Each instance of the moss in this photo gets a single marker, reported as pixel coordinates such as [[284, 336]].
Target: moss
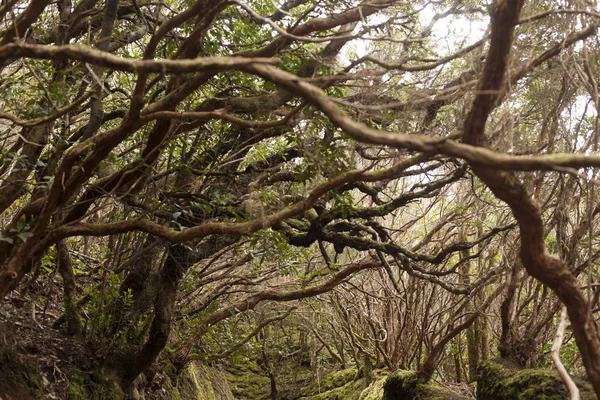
[[18, 379], [194, 383], [501, 380], [349, 391], [248, 381], [172, 391], [346, 385], [374, 391], [77, 390], [333, 382], [35, 384], [199, 382], [435, 392], [401, 385], [97, 386], [105, 386], [406, 385], [338, 379], [220, 384]]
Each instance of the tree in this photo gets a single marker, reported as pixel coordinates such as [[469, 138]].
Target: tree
[[218, 155]]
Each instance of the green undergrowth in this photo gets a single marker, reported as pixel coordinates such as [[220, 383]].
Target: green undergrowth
[[502, 380]]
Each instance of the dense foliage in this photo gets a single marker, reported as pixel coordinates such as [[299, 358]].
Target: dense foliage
[[304, 186]]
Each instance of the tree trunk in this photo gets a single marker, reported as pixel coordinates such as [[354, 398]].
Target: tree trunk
[[506, 186], [73, 325]]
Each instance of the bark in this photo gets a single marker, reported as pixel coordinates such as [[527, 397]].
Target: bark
[[170, 276], [65, 268], [507, 335], [17, 29], [179, 259], [269, 370]]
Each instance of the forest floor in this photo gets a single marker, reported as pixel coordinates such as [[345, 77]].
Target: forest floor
[[36, 359]]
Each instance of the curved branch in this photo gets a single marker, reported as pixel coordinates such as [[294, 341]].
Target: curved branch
[[244, 228], [108, 60], [473, 154]]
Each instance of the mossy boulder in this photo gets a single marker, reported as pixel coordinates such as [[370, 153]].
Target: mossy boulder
[[347, 385], [342, 384], [401, 385], [339, 379], [503, 380], [350, 391], [374, 391], [406, 385], [199, 382], [248, 381], [94, 386]]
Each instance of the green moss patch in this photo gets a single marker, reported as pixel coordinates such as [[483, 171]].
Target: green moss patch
[[199, 382], [248, 381], [350, 391], [374, 391], [347, 385], [96, 386], [338, 379], [406, 385], [501, 380]]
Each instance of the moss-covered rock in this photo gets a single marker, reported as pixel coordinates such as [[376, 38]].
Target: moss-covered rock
[[199, 382], [346, 385], [375, 390], [338, 379], [349, 391], [406, 385], [95, 386], [248, 381], [194, 383], [502, 380], [401, 385]]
